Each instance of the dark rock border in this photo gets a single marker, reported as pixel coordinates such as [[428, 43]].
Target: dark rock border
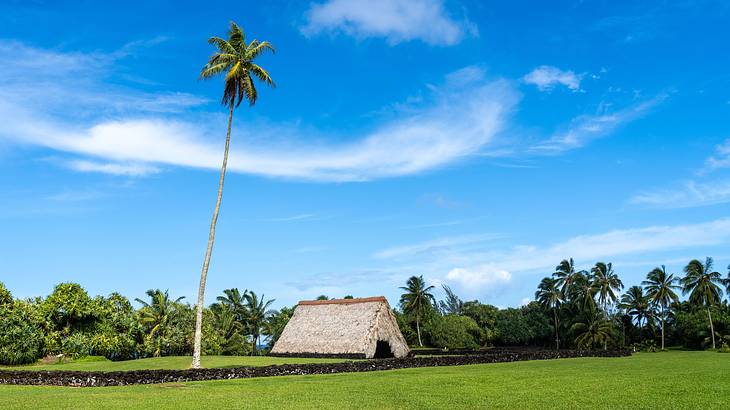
[[98, 379]]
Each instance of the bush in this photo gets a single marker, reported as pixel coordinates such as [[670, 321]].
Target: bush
[[21, 340], [453, 332], [6, 298]]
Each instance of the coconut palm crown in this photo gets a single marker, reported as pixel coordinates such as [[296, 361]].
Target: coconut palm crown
[[235, 58]]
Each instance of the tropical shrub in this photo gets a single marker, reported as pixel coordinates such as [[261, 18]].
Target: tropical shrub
[[21, 339], [454, 331], [6, 298], [513, 328]]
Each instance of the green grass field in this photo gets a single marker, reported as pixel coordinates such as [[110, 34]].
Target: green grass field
[[647, 380], [174, 362]]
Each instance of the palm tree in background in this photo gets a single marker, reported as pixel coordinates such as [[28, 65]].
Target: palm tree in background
[[607, 284], [582, 291], [550, 296], [417, 300], [593, 330], [637, 306], [235, 58], [565, 273], [156, 313], [231, 329], [234, 300], [453, 304], [702, 284], [256, 313], [275, 324], [660, 291]]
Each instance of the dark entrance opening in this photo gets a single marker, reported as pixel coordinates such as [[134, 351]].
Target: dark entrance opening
[[382, 350]]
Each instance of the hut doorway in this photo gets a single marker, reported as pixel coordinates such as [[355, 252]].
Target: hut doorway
[[382, 350]]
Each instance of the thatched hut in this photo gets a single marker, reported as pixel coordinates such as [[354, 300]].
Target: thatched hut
[[353, 328]]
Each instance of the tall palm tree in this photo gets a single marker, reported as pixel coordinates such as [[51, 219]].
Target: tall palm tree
[[565, 273], [256, 313], [636, 305], [607, 284], [157, 313], [660, 291], [550, 296], [417, 300], [235, 58], [702, 284]]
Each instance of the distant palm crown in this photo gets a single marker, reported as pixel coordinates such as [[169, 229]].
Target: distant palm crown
[[236, 58]]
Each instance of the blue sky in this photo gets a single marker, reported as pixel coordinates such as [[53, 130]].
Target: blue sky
[[475, 143]]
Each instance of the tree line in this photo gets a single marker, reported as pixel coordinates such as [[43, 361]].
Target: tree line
[[580, 308], [71, 323], [572, 308]]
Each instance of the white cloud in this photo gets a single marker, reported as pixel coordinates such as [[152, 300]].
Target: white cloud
[[586, 128], [547, 77], [478, 277], [395, 20], [460, 117], [125, 169]]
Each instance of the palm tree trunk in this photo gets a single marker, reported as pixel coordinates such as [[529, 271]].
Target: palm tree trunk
[[605, 310], [209, 251], [712, 328], [557, 335], [663, 315], [418, 330]]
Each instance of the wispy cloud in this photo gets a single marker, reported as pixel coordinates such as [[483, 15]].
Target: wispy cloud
[[475, 267], [720, 159], [687, 195], [586, 128], [395, 20], [459, 118], [292, 218], [698, 192], [547, 77], [433, 246]]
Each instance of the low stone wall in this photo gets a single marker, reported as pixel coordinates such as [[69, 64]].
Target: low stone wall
[[95, 379]]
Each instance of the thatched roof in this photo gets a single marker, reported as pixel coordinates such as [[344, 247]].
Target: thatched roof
[[342, 327]]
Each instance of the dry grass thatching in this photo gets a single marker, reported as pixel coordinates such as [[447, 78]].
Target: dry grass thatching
[[342, 327]]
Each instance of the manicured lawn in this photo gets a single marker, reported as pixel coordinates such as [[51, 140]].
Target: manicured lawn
[[174, 362], [649, 380]]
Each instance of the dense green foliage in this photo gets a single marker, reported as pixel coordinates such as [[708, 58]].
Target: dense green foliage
[[454, 331], [70, 324], [671, 380]]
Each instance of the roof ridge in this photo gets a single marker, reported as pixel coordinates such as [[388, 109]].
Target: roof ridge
[[344, 301]]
